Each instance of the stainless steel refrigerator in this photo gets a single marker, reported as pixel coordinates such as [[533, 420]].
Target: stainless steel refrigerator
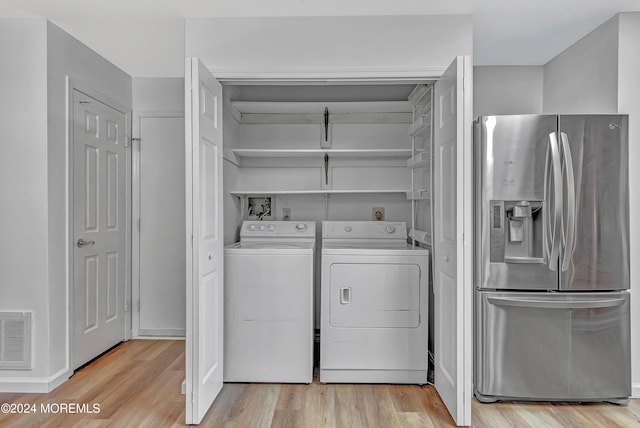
[[552, 258]]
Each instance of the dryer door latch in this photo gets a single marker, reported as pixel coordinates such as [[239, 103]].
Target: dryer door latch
[[345, 295]]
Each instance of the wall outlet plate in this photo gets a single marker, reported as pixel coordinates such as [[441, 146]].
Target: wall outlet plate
[[377, 213]]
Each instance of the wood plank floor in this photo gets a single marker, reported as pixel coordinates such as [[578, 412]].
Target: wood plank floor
[[137, 384]]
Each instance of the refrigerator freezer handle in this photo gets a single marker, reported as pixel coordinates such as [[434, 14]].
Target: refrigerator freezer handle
[[555, 304], [568, 237]]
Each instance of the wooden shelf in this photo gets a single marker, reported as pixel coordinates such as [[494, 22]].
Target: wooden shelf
[[334, 153], [277, 107], [241, 193]]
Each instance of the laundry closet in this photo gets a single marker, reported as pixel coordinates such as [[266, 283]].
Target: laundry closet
[[305, 141]]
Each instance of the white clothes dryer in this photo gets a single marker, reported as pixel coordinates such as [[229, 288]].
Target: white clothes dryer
[[374, 303], [268, 303]]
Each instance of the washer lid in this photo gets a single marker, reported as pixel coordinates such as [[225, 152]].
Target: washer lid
[[271, 245]]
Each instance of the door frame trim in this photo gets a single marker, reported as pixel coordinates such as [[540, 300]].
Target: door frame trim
[[466, 237], [135, 214], [465, 269], [73, 84]]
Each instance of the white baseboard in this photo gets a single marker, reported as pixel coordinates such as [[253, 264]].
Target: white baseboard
[[160, 332], [635, 390], [59, 378], [158, 338], [34, 385]]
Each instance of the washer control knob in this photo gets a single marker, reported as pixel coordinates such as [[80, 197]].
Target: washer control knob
[[262, 227], [301, 226], [390, 228], [252, 227], [271, 227], [348, 229]]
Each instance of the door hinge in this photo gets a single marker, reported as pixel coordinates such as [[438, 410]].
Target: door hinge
[[126, 306]]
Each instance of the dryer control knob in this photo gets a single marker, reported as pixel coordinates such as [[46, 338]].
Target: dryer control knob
[[271, 227], [252, 227], [261, 227], [390, 229], [301, 226], [348, 229]]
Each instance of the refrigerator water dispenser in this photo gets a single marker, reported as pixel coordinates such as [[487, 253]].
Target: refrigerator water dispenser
[[516, 232]]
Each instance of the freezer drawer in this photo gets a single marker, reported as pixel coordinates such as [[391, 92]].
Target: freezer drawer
[[553, 346]]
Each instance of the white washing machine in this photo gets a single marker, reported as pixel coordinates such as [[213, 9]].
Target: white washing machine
[[268, 303], [374, 304]]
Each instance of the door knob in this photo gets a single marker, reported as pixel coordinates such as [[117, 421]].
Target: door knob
[[81, 243]]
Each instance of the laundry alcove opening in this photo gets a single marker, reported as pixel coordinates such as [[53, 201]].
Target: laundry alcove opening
[[329, 151]]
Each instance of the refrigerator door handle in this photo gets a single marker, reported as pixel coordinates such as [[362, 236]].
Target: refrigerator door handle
[[568, 235], [555, 304], [553, 219]]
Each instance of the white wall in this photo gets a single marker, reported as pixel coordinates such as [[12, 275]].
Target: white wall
[[23, 173], [584, 78], [346, 46], [67, 56], [34, 247], [507, 90], [165, 94], [629, 103]]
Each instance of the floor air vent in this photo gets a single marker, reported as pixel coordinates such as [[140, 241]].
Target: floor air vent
[[15, 340]]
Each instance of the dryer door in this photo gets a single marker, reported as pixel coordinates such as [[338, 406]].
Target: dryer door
[[374, 295]]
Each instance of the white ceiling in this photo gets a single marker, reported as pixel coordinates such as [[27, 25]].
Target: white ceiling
[[146, 37]]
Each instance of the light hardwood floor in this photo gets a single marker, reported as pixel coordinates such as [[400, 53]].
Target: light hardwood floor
[[137, 384]]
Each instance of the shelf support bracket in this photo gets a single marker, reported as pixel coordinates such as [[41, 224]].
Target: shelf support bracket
[[326, 124], [325, 141], [326, 169]]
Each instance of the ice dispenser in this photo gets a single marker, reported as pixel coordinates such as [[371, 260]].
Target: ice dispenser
[[516, 232]]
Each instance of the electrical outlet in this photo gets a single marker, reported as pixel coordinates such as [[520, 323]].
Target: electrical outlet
[[286, 214], [377, 213]]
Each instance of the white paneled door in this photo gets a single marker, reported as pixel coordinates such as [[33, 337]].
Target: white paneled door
[[453, 198], [203, 164], [99, 227]]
